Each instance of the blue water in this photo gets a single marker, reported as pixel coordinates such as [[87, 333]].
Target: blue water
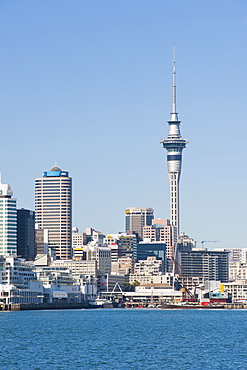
[[123, 339]]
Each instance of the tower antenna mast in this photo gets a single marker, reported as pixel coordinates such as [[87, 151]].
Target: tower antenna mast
[[174, 97]]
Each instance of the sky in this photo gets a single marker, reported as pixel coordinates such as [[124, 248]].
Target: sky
[[87, 85]]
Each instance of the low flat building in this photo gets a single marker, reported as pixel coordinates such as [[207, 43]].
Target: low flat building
[[81, 267], [144, 279], [150, 266], [154, 293], [237, 290]]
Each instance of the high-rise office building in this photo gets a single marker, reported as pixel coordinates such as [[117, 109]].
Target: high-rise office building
[[200, 262], [26, 247], [162, 231], [122, 245], [8, 220], [53, 209], [174, 145], [137, 218]]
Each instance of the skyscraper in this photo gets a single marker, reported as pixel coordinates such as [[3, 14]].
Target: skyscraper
[[26, 247], [137, 218], [174, 145], [163, 231], [8, 220], [53, 209]]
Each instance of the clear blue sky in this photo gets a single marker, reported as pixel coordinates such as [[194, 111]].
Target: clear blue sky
[[88, 83]]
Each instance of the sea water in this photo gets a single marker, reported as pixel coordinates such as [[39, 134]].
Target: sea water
[[123, 339]]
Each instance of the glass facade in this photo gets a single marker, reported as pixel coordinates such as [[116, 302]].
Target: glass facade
[[144, 250]]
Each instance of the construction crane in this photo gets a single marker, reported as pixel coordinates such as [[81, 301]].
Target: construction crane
[[209, 241]]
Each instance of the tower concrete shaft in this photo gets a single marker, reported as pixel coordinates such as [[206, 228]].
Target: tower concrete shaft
[[174, 145]]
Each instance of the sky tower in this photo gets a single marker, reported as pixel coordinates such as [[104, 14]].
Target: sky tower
[[174, 145]]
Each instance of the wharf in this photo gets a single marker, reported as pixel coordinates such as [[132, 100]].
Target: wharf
[[44, 306], [86, 305], [201, 307]]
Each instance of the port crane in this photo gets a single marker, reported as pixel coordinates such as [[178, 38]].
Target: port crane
[[186, 293]]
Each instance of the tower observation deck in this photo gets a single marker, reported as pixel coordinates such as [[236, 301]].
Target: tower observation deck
[[174, 145]]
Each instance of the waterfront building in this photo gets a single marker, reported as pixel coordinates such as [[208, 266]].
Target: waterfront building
[[69, 272], [153, 293], [174, 145], [53, 209], [26, 246], [59, 284], [137, 218], [18, 281], [211, 265], [151, 249], [8, 220], [237, 291]]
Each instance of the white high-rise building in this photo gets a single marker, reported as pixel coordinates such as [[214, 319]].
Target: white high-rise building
[[8, 221], [53, 209]]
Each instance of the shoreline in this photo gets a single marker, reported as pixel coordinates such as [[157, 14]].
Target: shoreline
[[86, 305]]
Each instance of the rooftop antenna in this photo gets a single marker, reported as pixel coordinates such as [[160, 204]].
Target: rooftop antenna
[[174, 97]]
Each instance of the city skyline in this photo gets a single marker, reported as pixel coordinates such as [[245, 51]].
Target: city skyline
[[96, 80]]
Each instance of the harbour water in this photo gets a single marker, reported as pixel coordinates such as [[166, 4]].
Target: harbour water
[[123, 339]]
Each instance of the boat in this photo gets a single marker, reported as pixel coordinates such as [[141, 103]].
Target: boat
[[190, 307], [100, 303]]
